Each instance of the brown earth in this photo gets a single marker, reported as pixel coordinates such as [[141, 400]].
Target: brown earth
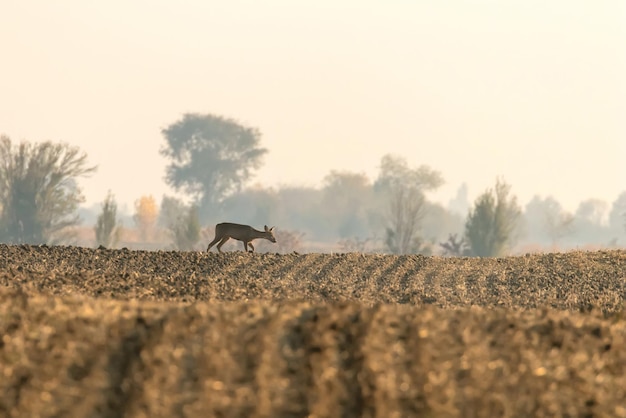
[[88, 332]]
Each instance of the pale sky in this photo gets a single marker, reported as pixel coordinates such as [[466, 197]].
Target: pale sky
[[530, 90]]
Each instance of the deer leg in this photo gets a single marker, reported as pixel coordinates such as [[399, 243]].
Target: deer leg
[[222, 242], [212, 243], [251, 247]]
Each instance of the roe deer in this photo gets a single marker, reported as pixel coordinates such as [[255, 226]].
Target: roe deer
[[244, 233]]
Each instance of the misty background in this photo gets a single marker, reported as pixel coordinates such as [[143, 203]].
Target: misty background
[[212, 160], [347, 214], [528, 93]]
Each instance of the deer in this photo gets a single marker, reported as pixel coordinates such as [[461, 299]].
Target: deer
[[245, 233]]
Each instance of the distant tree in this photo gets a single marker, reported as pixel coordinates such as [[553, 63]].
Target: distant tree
[[395, 172], [590, 220], [492, 221], [182, 222], [287, 241], [406, 210], [592, 211], [345, 202], [210, 157], [145, 217], [558, 225], [38, 190], [170, 211], [252, 206], [460, 203], [403, 188], [617, 215], [186, 231], [439, 222], [455, 246], [108, 226], [546, 218], [300, 210]]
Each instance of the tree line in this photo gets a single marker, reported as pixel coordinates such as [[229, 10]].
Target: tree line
[[211, 161]]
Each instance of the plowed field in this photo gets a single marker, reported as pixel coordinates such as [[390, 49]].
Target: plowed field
[[92, 333]]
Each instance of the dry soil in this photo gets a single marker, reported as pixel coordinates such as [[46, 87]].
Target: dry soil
[[108, 333]]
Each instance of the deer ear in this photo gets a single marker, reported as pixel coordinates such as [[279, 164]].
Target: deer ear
[[271, 229], [266, 229]]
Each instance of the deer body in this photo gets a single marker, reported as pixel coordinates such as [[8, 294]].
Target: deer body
[[245, 233]]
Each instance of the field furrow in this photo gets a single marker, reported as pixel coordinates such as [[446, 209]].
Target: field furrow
[[96, 332]]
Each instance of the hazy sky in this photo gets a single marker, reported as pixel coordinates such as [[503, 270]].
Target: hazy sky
[[533, 91]]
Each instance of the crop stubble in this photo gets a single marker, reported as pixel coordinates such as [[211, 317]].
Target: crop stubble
[[88, 332]]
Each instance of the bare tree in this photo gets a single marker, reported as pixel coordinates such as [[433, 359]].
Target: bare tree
[[455, 247], [559, 225], [403, 188], [546, 221], [406, 210], [38, 190]]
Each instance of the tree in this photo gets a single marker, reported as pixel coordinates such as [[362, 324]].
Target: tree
[[403, 189], [439, 222], [186, 231], [617, 215], [145, 217], [591, 218], [460, 203], [559, 224], [395, 172], [169, 211], [406, 210], [38, 190], [345, 201], [108, 226], [182, 222], [210, 157], [253, 206], [546, 218], [492, 221], [592, 211], [454, 246]]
